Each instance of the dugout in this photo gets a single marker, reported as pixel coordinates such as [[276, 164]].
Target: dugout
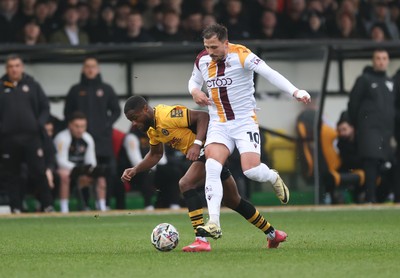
[[327, 69]]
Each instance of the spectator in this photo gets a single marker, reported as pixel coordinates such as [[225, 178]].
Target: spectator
[[171, 31], [379, 33], [315, 28], [76, 160], [24, 110], [235, 19], [269, 28], [122, 12], [294, 20], [209, 19], [10, 21], [27, 10], [394, 7], [70, 33], [192, 26], [135, 31], [371, 112], [346, 27], [105, 31], [42, 18], [346, 144], [100, 104], [148, 13], [31, 35], [84, 21], [380, 14]]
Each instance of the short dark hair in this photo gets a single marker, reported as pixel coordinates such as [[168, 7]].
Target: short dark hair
[[13, 56], [215, 30], [77, 115], [134, 103]]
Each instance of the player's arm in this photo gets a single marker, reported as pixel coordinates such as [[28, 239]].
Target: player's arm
[[278, 80], [149, 161], [195, 85], [200, 120]]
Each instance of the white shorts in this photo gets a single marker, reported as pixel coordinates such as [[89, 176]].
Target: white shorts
[[242, 133]]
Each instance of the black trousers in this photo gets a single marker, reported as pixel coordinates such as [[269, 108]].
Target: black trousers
[[16, 150], [371, 167]]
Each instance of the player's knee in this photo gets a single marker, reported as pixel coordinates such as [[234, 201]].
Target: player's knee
[[185, 184]]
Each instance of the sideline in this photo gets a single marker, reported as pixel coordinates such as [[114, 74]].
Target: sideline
[[351, 207]]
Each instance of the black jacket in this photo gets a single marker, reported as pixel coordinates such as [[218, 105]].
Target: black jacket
[[100, 104], [396, 80], [371, 111], [24, 107]]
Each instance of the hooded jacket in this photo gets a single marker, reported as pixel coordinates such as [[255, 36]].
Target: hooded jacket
[[98, 101]]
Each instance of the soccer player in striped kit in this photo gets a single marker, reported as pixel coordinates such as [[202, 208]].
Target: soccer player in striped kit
[[227, 71]]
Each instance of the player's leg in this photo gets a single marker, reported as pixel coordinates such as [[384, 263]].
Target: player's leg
[[65, 181], [193, 178], [219, 145], [101, 191], [248, 142], [233, 200]]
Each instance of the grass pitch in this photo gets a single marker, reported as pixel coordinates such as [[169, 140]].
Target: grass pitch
[[342, 242]]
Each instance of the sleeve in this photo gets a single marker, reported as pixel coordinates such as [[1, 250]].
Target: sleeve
[[253, 62], [132, 147], [44, 107], [62, 142], [196, 80], [356, 95], [90, 155], [113, 106], [69, 106]]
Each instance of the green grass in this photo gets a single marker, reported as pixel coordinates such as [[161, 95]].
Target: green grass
[[340, 243]]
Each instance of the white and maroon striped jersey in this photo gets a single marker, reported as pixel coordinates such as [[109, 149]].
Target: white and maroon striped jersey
[[230, 83]]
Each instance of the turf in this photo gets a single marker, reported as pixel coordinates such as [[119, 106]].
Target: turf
[[339, 243]]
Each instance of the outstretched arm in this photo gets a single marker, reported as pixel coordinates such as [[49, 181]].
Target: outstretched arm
[[148, 162]]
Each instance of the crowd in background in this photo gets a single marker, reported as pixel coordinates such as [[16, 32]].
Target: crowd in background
[[79, 22]]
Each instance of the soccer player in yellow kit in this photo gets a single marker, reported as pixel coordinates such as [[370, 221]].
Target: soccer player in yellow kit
[[185, 130], [227, 71]]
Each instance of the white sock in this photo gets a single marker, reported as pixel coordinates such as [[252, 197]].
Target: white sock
[[102, 204], [202, 238], [64, 205], [213, 189], [261, 173]]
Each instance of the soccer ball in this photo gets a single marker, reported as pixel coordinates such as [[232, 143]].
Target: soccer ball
[[164, 237]]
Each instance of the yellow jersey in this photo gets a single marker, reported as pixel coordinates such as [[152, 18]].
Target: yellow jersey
[[172, 127]]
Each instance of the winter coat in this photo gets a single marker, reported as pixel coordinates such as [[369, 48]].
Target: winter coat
[[98, 101], [371, 112]]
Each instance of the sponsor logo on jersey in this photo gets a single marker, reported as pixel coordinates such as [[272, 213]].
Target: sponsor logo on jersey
[[255, 60], [82, 93], [219, 82], [176, 113], [165, 132]]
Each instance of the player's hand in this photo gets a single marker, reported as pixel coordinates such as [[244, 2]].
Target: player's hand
[[302, 96], [200, 98], [50, 178], [193, 152], [128, 174]]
